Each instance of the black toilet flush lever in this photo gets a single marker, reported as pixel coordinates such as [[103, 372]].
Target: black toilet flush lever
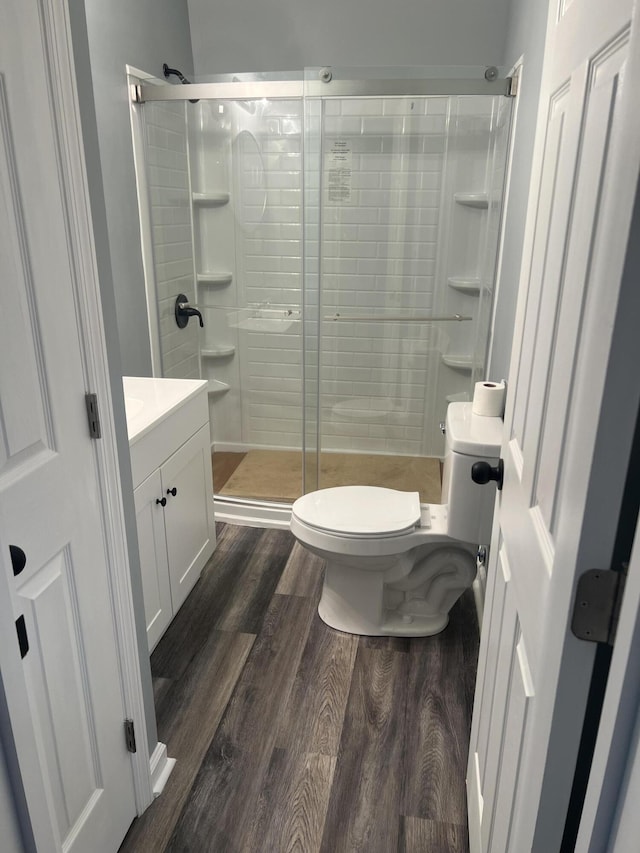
[[183, 311], [482, 472]]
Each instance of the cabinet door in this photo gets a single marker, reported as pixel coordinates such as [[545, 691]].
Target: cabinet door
[[189, 521], [153, 557]]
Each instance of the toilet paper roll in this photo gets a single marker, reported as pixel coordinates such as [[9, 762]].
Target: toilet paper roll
[[488, 399]]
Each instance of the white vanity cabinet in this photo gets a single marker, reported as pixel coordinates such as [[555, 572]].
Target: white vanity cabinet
[[173, 491], [154, 564]]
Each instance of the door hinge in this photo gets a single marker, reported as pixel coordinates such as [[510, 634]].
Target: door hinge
[[130, 735], [23, 639], [93, 415], [597, 605], [514, 85], [135, 91]]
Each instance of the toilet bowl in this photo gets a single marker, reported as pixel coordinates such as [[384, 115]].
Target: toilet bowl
[[395, 567]]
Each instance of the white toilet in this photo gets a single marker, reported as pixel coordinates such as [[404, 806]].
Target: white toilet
[[396, 567]]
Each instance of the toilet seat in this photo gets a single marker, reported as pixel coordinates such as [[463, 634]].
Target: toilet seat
[[368, 512]]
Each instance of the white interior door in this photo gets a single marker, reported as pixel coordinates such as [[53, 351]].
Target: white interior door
[[568, 428], [64, 695]]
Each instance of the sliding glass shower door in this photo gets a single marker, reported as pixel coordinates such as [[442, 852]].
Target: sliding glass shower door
[[224, 192], [246, 175], [404, 251], [341, 250]]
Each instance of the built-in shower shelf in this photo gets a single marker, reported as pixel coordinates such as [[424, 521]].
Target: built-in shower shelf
[[216, 199], [217, 388], [215, 278], [218, 352], [463, 363], [465, 285], [477, 200]]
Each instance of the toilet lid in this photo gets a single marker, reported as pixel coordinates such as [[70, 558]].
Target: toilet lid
[[361, 510]]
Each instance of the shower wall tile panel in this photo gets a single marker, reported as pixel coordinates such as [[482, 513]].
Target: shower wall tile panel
[[269, 273], [170, 203], [378, 257]]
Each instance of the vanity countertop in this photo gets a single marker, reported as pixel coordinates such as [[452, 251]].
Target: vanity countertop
[[150, 400]]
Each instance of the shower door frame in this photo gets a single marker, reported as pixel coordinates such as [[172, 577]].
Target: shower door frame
[[142, 93], [136, 77], [145, 88]]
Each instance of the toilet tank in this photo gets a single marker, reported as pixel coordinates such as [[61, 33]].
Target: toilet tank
[[469, 438]]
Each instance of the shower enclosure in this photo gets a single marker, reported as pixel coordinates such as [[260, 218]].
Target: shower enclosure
[[339, 237]]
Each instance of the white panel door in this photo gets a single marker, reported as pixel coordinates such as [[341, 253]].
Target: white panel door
[[64, 696], [565, 458]]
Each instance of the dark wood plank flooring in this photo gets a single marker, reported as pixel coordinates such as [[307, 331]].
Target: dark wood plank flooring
[[290, 736]]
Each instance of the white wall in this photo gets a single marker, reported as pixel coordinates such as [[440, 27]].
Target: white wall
[[525, 37], [145, 34], [285, 35]]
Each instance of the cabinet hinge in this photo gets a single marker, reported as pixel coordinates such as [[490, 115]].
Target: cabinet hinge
[[93, 415], [130, 735], [597, 605]]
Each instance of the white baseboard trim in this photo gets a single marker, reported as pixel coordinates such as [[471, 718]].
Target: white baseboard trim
[[474, 806], [160, 767], [251, 514], [478, 595], [479, 588]]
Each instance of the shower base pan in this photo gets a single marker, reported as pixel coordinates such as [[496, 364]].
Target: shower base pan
[[276, 475]]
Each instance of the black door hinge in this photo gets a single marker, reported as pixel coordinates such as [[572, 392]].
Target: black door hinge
[[23, 639], [18, 559], [130, 735], [597, 605], [93, 416]]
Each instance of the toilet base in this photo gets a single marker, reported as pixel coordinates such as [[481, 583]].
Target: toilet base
[[394, 626], [353, 601], [408, 595]]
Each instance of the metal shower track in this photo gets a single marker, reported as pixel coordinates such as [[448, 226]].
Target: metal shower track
[[282, 89]]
